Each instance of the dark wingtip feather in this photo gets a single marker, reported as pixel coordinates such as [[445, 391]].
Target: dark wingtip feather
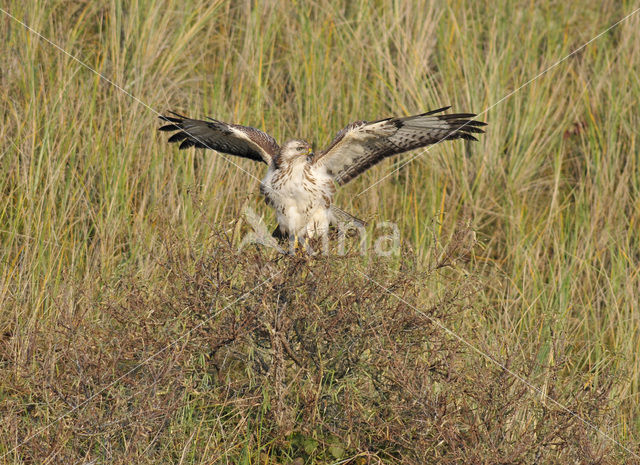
[[169, 127], [432, 112], [192, 143], [178, 137], [178, 115], [475, 123], [186, 144], [472, 129], [468, 123], [170, 119], [462, 135], [457, 116]]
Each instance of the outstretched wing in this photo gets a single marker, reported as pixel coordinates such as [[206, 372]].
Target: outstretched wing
[[361, 145], [242, 141]]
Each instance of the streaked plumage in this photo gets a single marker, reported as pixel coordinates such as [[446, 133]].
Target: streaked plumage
[[299, 184]]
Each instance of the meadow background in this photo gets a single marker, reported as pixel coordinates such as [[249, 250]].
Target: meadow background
[[111, 240]]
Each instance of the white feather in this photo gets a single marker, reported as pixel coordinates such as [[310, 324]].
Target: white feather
[[301, 207]]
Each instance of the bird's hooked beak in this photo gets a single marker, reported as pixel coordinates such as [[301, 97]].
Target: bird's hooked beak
[[309, 150]]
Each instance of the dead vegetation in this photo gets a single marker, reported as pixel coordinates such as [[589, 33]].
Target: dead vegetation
[[242, 357]]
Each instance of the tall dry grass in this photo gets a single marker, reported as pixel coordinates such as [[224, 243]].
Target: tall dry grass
[[551, 189]]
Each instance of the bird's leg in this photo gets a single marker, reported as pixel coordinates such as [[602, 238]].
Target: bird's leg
[[293, 244], [298, 246]]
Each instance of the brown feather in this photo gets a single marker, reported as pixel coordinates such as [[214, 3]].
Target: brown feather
[[361, 145], [242, 141]]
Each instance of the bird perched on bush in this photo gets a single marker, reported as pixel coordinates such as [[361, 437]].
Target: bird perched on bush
[[299, 183]]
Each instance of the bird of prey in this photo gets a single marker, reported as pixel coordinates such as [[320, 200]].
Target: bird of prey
[[299, 183]]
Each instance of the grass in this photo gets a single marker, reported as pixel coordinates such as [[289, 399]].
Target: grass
[[100, 218]]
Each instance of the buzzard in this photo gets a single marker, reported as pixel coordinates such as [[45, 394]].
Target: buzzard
[[299, 183]]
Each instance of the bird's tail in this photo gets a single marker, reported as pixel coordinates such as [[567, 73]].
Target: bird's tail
[[341, 216]]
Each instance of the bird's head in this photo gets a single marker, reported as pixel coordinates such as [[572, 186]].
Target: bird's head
[[294, 149]]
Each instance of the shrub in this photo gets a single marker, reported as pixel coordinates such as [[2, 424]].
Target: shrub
[[276, 358]]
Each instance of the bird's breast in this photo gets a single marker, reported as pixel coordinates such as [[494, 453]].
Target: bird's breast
[[299, 183]]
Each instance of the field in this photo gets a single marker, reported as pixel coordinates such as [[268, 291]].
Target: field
[[505, 330]]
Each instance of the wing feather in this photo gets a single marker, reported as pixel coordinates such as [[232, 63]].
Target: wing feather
[[242, 141], [361, 145]]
